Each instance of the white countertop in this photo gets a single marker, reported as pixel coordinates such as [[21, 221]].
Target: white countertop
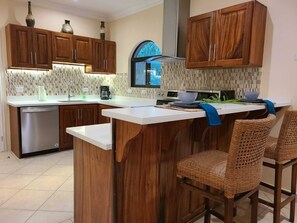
[[117, 101], [98, 135], [152, 115]]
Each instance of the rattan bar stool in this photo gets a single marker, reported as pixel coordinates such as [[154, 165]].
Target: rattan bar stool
[[283, 150], [236, 174]]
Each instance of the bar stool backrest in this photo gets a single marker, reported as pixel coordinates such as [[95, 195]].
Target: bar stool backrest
[[244, 164], [286, 148]]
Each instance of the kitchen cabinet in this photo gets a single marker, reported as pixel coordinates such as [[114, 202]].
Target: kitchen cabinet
[[104, 57], [71, 48], [74, 115], [103, 119], [28, 47], [229, 37]]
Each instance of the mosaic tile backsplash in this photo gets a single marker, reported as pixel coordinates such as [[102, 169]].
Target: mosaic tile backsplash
[[174, 76]]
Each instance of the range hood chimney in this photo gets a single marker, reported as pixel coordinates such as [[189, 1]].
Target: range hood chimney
[[175, 15]]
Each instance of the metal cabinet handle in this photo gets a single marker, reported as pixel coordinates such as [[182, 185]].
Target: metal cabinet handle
[[81, 114], [72, 54], [78, 114], [214, 52], [75, 55], [35, 56], [209, 52], [31, 57]]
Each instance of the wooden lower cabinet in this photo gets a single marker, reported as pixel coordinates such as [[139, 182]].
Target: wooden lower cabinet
[[93, 169], [74, 115], [103, 119]]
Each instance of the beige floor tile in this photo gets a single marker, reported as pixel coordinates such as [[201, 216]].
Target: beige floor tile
[[14, 216], [50, 217], [47, 183], [67, 221], [3, 175], [16, 181], [6, 194], [27, 200], [68, 185], [33, 168], [59, 170], [9, 167], [67, 160], [60, 201]]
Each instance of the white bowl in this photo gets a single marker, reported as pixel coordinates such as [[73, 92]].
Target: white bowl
[[250, 95], [187, 97]]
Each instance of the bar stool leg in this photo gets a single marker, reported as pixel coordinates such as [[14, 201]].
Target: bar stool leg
[[254, 202], [206, 202], [229, 207], [277, 192], [293, 191]]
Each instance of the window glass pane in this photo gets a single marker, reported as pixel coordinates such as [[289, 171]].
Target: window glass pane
[[148, 49], [155, 74], [140, 73]]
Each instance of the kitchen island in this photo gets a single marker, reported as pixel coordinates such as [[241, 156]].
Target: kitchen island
[[147, 142]]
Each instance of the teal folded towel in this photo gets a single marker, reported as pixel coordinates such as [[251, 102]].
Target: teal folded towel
[[212, 115], [270, 107]]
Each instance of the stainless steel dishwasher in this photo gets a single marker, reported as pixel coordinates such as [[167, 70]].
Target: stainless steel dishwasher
[[39, 128]]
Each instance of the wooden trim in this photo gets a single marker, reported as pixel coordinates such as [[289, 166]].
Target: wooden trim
[[15, 131]]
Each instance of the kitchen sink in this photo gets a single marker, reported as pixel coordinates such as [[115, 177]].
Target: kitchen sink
[[72, 100]]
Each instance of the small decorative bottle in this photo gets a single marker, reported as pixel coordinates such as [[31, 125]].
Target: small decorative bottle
[[102, 30], [66, 28], [29, 18]]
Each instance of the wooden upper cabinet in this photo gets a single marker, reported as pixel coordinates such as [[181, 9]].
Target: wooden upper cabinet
[[200, 40], [110, 57], [104, 57], [82, 49], [28, 47], [229, 37], [72, 49], [98, 56], [42, 48], [62, 47]]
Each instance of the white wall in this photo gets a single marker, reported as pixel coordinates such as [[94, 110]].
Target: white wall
[[131, 30]]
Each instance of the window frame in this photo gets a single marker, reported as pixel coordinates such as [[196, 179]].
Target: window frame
[[135, 60]]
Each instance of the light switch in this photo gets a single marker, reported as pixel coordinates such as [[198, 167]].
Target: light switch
[[295, 56], [143, 91], [19, 89], [85, 90]]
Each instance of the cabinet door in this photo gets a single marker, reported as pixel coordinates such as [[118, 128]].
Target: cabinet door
[[233, 35], [68, 118], [62, 45], [200, 41], [82, 49], [19, 46], [103, 119], [88, 114], [98, 56], [42, 48], [110, 56]]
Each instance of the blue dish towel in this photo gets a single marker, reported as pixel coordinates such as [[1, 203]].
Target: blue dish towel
[[270, 107], [212, 115]]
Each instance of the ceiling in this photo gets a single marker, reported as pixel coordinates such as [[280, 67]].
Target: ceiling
[[98, 9]]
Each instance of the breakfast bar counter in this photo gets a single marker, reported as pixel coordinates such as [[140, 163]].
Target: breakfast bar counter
[[140, 170]]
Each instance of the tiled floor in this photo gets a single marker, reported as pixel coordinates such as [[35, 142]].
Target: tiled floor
[[37, 189], [40, 190]]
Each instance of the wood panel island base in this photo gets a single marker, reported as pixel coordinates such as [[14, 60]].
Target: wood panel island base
[[140, 170]]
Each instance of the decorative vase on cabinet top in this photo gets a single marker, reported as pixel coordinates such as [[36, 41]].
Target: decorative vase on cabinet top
[[30, 21], [66, 28]]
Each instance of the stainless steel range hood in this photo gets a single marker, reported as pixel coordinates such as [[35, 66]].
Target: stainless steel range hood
[[175, 14]]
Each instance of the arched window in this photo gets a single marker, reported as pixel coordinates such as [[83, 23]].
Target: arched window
[[145, 74]]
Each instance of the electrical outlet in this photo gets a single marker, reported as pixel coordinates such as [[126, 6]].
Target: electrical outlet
[[143, 91], [295, 56], [129, 91], [85, 90], [19, 89]]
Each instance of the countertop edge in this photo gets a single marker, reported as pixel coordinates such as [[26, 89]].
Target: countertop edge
[[81, 132]]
